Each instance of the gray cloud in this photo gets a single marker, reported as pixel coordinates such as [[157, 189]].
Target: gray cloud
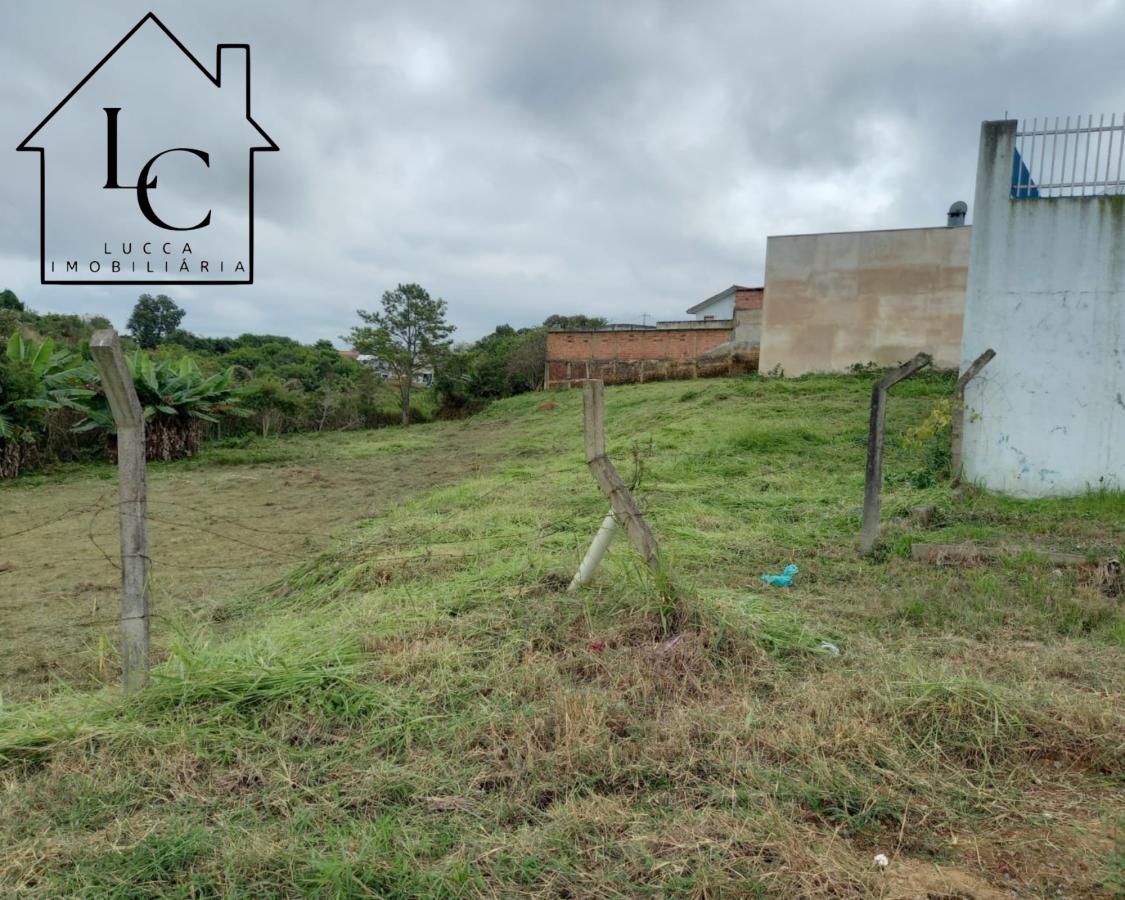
[[522, 159]]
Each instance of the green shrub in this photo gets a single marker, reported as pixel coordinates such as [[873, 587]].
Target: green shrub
[[35, 379], [177, 398]]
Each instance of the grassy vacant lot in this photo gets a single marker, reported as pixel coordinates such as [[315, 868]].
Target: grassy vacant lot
[[240, 515], [419, 710]]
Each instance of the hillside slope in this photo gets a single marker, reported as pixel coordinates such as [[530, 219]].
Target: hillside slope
[[422, 711], [239, 514]]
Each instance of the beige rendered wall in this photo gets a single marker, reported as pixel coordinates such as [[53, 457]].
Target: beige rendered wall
[[748, 327], [834, 300]]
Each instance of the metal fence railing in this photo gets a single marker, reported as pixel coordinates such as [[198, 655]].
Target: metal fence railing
[[1058, 159]]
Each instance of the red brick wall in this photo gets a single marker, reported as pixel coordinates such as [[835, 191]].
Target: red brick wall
[[622, 357], [643, 343], [749, 298]]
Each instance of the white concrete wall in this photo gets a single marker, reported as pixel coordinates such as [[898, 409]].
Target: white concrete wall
[[1047, 291], [720, 309]]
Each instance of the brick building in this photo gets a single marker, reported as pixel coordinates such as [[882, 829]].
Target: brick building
[[724, 304], [624, 354]]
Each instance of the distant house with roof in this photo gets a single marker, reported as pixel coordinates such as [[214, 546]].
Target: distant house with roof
[[723, 304], [423, 375]]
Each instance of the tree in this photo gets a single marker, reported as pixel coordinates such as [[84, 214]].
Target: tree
[[8, 300], [410, 332], [527, 361], [500, 364], [490, 363], [577, 321], [153, 320]]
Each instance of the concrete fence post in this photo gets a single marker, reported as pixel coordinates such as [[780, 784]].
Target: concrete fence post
[[957, 426], [132, 507], [594, 554], [872, 493], [623, 507]]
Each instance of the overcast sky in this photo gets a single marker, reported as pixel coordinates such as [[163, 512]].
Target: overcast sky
[[526, 158]]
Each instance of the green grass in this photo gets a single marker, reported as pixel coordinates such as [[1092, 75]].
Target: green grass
[[422, 711], [248, 450]]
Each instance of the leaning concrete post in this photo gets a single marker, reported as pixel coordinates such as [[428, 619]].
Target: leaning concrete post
[[623, 508], [129, 417], [594, 555], [958, 424], [620, 499], [874, 476]]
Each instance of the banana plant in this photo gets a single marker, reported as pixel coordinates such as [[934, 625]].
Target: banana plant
[[38, 377], [172, 390]]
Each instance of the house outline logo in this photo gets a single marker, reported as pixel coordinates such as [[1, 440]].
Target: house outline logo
[[143, 185]]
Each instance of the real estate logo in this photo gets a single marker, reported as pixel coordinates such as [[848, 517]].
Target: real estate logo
[[151, 168]]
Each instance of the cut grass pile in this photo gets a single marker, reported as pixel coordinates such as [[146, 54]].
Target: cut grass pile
[[421, 711]]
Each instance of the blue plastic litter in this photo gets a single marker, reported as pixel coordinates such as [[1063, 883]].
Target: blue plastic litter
[[785, 579]]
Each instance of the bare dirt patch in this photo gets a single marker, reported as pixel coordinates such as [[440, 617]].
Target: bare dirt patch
[[908, 879]]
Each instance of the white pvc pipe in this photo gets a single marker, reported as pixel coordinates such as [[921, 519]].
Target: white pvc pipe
[[594, 555]]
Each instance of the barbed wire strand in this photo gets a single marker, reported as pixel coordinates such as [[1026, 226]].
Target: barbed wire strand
[[93, 540], [52, 521], [424, 546]]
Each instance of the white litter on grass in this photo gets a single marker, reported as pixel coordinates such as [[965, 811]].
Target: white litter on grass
[[829, 647], [881, 860]]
